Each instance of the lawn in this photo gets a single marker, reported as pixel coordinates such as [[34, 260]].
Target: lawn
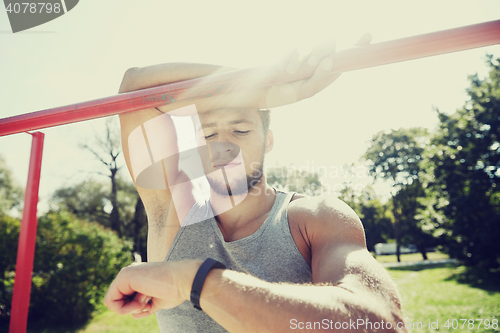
[[108, 321], [429, 295], [437, 294], [411, 257]]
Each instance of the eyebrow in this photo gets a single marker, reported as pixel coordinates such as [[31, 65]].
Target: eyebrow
[[233, 122]]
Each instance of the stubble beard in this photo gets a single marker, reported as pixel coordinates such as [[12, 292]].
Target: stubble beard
[[243, 185]]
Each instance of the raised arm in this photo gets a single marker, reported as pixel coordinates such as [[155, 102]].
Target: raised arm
[[162, 219], [162, 225]]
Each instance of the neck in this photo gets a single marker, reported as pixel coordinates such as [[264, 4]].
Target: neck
[[238, 212]]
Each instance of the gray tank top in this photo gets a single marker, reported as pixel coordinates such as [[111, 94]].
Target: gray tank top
[[269, 254]]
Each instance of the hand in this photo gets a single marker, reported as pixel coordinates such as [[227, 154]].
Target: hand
[[291, 69], [319, 62], [143, 289]]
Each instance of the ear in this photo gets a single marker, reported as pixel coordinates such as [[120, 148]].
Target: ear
[[269, 141]]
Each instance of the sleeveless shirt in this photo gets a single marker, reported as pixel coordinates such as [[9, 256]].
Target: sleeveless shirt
[[269, 254]]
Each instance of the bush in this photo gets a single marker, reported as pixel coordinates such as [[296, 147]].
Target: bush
[[9, 234], [75, 262]]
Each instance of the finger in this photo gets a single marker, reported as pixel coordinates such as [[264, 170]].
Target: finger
[[319, 52], [115, 298], [137, 304], [292, 61], [142, 314], [283, 62], [136, 264], [147, 311], [282, 94], [141, 298], [321, 78], [364, 40], [145, 306], [120, 292], [293, 64]]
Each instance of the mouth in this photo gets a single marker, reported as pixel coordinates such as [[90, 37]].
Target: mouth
[[226, 165]]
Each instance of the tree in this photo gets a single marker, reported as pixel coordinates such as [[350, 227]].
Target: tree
[[409, 201], [75, 261], [464, 172], [86, 200], [294, 180], [90, 201], [11, 194], [133, 216], [106, 150], [396, 156], [376, 217], [9, 234]]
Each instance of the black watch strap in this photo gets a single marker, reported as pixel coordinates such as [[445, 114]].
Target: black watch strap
[[200, 277]]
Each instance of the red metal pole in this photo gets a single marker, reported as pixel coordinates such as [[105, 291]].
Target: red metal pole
[[409, 48], [27, 240]]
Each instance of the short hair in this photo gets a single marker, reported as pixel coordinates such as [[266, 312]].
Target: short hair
[[265, 115]]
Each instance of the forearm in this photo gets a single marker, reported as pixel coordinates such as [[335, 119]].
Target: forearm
[[242, 303], [249, 93], [151, 76]]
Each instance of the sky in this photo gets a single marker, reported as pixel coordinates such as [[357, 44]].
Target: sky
[[83, 54]]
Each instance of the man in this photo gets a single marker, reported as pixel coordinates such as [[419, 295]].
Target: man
[[291, 262]]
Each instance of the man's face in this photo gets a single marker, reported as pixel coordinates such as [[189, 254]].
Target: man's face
[[235, 144]]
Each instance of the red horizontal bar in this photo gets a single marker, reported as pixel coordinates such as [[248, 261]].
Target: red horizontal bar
[[409, 48]]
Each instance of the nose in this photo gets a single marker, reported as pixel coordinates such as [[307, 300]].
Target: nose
[[224, 150]]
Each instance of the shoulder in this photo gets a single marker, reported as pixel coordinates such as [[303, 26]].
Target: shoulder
[[326, 218]]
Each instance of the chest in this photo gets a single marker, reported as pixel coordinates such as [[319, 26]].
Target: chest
[[290, 220], [269, 254]]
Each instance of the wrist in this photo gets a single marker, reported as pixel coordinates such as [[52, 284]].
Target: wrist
[[199, 280], [187, 277]]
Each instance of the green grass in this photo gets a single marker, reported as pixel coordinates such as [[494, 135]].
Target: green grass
[[411, 257], [439, 294], [428, 294], [110, 322]]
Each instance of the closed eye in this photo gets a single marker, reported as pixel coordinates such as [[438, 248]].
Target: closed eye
[[242, 132], [211, 136]]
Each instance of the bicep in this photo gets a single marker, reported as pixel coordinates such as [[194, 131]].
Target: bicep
[[129, 122], [140, 150], [340, 257], [352, 268]]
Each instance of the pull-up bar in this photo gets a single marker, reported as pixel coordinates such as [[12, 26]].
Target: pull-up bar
[[446, 41]]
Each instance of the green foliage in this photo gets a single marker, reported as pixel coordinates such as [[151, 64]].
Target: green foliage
[[9, 234], [413, 231], [134, 222], [11, 195], [90, 201], [75, 262], [86, 200], [397, 156], [464, 172], [376, 217], [294, 180]]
